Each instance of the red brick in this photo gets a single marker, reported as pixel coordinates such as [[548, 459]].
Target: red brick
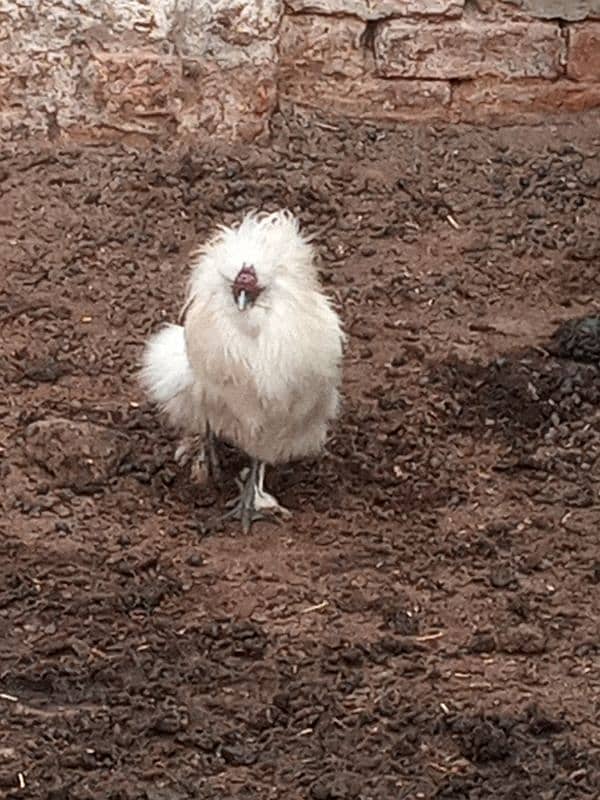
[[469, 49], [584, 52]]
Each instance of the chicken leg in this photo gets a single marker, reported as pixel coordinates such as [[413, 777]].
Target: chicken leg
[[214, 467], [253, 503], [200, 452], [265, 501]]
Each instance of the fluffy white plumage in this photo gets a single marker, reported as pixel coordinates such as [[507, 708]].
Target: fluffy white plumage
[[167, 374], [264, 378]]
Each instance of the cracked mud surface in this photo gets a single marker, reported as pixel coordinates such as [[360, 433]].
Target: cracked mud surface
[[426, 624]]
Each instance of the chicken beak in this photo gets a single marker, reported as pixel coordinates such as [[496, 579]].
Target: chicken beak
[[242, 300]]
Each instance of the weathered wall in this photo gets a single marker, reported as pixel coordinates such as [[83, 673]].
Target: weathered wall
[[111, 67], [150, 68]]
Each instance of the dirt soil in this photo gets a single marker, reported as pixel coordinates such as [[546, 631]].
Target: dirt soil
[[427, 623]]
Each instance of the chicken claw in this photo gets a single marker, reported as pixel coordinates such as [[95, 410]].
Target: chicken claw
[[253, 503]]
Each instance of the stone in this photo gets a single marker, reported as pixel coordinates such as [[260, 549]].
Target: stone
[[234, 104], [325, 65], [468, 49], [228, 32], [568, 10], [368, 98], [324, 45], [194, 67], [147, 93], [380, 9], [137, 84], [583, 63], [490, 98], [79, 455]]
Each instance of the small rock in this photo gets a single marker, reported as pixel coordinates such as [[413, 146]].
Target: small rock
[[167, 724], [62, 526], [578, 339], [482, 642], [501, 576], [237, 755], [485, 742], [534, 560], [524, 639], [320, 791]]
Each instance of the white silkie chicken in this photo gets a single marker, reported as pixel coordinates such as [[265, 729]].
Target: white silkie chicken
[[257, 361]]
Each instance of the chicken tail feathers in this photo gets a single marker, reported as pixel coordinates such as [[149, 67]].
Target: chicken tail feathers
[[167, 377]]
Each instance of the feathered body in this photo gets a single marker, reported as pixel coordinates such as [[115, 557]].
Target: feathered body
[[266, 378]]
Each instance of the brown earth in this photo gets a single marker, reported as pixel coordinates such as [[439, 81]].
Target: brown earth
[[426, 625]]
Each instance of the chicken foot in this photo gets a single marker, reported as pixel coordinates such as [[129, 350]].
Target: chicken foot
[[201, 452], [253, 503], [264, 500]]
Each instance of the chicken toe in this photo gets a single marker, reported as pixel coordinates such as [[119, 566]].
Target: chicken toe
[[253, 503], [265, 501]]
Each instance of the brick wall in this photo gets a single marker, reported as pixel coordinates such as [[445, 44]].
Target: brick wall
[[151, 68]]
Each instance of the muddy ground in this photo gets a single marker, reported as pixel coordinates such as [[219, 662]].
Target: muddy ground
[[426, 624]]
